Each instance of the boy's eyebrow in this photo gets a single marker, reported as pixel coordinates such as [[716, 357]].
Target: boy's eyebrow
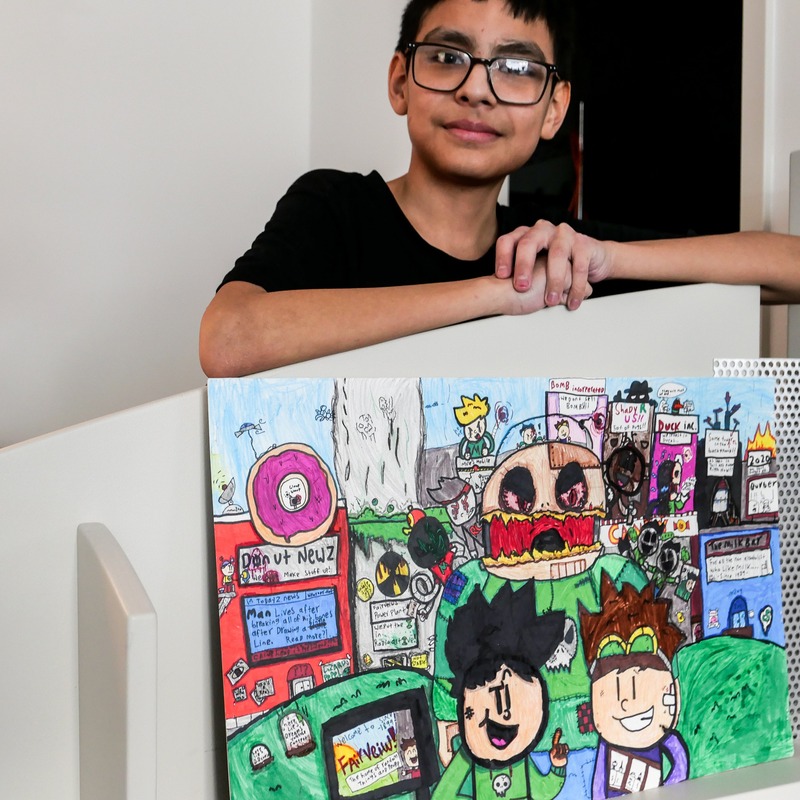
[[525, 49], [449, 36]]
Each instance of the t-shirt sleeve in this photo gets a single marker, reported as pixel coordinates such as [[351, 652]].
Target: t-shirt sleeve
[[302, 245]]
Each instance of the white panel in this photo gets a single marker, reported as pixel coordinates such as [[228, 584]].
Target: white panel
[[784, 131], [353, 126], [118, 649], [144, 473]]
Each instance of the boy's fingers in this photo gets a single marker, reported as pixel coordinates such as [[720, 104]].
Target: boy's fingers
[[529, 248], [580, 289], [516, 253], [505, 249], [559, 265]]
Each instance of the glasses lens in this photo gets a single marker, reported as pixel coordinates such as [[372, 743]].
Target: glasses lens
[[440, 68], [517, 80]]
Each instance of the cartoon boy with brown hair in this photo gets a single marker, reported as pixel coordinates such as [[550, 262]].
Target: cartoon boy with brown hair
[[630, 644]]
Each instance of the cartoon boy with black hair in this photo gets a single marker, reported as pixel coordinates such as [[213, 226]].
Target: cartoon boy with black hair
[[630, 644], [528, 435], [496, 650]]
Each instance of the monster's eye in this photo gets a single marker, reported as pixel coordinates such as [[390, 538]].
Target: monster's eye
[[571, 490], [517, 492]]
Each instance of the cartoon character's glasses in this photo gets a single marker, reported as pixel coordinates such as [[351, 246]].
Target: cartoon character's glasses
[[642, 640]]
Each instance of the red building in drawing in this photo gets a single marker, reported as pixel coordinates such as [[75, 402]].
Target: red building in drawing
[[284, 621]]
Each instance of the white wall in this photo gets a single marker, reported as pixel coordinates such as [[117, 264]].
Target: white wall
[[143, 146], [353, 126]]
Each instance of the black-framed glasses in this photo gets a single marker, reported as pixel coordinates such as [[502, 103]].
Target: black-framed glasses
[[442, 68]]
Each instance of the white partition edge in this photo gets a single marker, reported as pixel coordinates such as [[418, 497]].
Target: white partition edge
[[117, 650]]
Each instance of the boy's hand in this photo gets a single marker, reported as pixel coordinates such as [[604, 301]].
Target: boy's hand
[[572, 261]]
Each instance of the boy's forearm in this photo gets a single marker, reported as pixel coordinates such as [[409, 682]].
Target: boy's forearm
[[770, 260], [246, 330]]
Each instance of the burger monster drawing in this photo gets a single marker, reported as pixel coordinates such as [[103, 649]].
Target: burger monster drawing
[[540, 510]]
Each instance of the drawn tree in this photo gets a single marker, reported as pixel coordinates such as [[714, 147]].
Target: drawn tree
[[378, 437]]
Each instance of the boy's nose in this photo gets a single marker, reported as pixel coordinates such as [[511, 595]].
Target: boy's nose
[[476, 87]]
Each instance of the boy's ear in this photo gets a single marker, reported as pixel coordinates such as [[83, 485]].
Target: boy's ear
[[556, 109], [398, 83]]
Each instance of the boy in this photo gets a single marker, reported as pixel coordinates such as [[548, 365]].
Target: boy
[[349, 260]]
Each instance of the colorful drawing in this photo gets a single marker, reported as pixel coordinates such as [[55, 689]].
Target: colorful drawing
[[453, 588]]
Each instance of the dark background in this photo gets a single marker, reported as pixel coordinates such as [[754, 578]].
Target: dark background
[[661, 90]]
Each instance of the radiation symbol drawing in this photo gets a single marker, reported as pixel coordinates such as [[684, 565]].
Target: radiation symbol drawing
[[392, 575]]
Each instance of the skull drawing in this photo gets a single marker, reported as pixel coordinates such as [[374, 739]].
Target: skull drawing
[[501, 785], [567, 647], [541, 507]]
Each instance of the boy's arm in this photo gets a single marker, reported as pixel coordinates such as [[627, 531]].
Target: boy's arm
[[769, 260], [246, 329]]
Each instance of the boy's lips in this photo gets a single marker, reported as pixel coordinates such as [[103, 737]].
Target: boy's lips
[[472, 131]]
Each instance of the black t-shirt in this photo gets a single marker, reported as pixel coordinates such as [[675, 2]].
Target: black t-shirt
[[340, 230]]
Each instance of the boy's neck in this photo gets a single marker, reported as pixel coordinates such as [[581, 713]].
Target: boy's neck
[[461, 220]]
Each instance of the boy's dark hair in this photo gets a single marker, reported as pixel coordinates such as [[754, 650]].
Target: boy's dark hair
[[558, 15], [483, 636]]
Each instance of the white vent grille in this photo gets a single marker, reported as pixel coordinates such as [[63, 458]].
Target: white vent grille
[[787, 434]]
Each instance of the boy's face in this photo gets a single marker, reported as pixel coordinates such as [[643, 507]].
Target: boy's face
[[475, 429], [467, 135], [411, 756], [634, 708], [502, 717]]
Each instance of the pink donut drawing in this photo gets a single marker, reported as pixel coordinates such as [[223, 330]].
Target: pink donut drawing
[[291, 495]]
